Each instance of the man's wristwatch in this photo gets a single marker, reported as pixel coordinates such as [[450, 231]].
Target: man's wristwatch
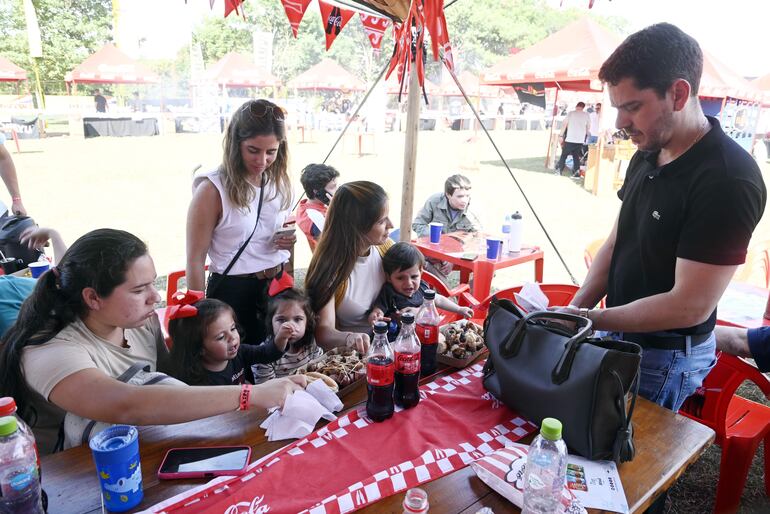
[[583, 312]]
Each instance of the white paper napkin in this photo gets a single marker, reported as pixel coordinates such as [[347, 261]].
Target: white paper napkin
[[301, 412], [531, 298]]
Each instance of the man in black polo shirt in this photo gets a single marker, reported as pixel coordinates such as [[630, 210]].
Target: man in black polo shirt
[[691, 200]]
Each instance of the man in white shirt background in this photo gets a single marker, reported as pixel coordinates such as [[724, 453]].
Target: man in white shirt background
[[595, 118], [575, 131]]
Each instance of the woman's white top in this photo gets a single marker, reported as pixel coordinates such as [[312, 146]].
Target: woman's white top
[[236, 224], [363, 287]]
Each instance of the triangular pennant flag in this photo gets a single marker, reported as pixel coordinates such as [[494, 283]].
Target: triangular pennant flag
[[295, 10], [375, 27], [232, 5], [334, 19]]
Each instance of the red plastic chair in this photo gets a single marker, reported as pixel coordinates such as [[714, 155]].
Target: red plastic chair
[[460, 293], [558, 294], [740, 425]]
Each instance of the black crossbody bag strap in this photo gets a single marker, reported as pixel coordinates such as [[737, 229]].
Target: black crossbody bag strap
[[243, 246]]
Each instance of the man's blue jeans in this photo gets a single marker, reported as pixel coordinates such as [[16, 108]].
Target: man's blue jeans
[[668, 377]]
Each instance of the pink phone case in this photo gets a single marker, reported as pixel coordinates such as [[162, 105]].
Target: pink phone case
[[204, 473]]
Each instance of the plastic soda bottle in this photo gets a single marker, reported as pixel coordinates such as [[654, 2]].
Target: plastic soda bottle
[[380, 370], [407, 349], [19, 483], [546, 470], [427, 321], [416, 501]]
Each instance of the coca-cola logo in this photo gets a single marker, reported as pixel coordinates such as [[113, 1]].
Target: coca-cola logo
[[253, 507], [334, 21]]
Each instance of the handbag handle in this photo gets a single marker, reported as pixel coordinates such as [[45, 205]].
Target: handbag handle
[[563, 367]]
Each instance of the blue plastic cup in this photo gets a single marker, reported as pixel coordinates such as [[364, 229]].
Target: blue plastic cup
[[38, 268], [116, 455], [493, 248], [435, 231]]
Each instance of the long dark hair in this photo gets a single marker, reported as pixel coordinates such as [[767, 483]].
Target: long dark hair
[[187, 335], [255, 118], [292, 295], [98, 260], [354, 210]]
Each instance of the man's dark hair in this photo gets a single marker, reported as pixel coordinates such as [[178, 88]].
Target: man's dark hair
[[314, 179], [456, 182], [655, 58], [581, 104]]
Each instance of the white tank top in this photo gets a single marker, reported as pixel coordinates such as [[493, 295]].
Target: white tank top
[[235, 226], [363, 287]]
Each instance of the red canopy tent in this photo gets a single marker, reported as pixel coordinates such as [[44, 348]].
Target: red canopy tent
[[110, 65], [9, 72], [327, 75], [238, 70], [719, 81], [567, 59]]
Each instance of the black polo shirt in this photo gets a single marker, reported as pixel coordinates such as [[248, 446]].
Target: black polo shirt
[[703, 206]]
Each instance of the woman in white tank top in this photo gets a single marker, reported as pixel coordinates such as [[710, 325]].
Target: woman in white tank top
[[345, 274], [251, 182]]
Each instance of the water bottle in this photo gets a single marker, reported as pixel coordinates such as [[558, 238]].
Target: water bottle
[[8, 408], [506, 237], [517, 228], [546, 470], [19, 484]]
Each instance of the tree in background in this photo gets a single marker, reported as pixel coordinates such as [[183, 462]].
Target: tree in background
[[71, 31]]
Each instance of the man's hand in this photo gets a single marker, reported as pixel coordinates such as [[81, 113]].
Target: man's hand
[[445, 267], [18, 208]]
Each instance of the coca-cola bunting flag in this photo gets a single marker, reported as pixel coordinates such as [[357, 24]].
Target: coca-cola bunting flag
[[230, 6], [334, 19], [295, 10], [375, 27]]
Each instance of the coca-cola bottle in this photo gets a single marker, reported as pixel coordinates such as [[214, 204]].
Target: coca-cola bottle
[[380, 368], [407, 348], [427, 332]]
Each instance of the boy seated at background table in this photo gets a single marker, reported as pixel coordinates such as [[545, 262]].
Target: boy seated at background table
[[403, 290], [451, 209]]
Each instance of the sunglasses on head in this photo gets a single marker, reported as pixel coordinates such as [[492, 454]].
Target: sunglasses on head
[[259, 109]]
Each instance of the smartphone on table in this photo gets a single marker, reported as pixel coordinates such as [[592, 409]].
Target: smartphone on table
[[204, 462]]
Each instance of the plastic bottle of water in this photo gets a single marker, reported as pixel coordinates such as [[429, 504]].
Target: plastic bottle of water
[[546, 470], [506, 237], [517, 229], [19, 484]]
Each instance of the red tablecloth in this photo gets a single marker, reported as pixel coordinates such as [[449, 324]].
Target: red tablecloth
[[353, 462]]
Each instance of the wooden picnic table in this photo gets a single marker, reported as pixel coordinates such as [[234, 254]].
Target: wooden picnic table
[[453, 246], [666, 444]]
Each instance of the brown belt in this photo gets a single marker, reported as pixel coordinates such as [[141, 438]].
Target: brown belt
[[262, 275]]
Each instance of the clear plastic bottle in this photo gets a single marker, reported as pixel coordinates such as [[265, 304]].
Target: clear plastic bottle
[[427, 321], [380, 369], [8, 408], [19, 484], [407, 350], [546, 470], [506, 235], [416, 501]]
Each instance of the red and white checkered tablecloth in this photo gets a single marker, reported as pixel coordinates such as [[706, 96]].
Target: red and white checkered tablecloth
[[353, 461]]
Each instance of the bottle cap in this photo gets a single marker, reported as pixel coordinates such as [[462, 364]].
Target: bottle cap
[[516, 216], [551, 429], [7, 406], [8, 425], [429, 294], [416, 500], [380, 327], [407, 318]]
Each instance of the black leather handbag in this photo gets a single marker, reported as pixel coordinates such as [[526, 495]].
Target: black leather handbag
[[541, 369]]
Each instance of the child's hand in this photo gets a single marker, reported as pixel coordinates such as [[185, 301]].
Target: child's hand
[[377, 315], [465, 311], [287, 332]]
